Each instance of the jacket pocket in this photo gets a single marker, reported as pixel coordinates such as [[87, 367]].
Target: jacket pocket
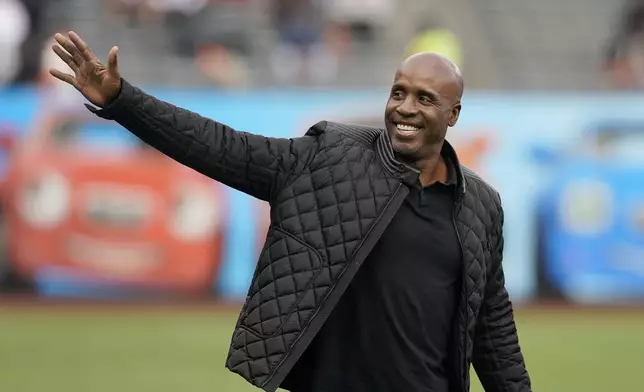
[[281, 287]]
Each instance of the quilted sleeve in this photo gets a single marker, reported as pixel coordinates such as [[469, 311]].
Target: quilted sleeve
[[251, 163], [497, 357]]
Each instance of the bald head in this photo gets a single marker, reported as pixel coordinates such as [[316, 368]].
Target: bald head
[[437, 67]]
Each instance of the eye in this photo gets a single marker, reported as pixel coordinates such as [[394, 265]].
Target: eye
[[425, 100], [397, 95]]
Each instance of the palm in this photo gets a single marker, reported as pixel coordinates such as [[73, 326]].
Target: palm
[[98, 83], [91, 80]]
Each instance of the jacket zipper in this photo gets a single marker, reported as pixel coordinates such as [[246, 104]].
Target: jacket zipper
[[274, 379], [462, 363], [387, 215]]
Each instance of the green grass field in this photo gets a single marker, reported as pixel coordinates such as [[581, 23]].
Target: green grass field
[[136, 350]]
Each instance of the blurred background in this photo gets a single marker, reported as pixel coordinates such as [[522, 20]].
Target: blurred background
[[121, 270]]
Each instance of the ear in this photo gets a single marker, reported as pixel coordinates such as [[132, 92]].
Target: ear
[[453, 117]]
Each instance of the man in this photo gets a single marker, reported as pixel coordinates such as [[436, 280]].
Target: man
[[432, 37], [381, 269], [624, 56]]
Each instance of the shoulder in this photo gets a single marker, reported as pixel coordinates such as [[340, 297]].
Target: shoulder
[[483, 193], [345, 132]]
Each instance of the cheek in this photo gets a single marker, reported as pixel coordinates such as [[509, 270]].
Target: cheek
[[441, 117], [432, 115], [390, 107]]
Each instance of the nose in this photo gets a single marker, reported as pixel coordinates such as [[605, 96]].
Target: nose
[[407, 108]]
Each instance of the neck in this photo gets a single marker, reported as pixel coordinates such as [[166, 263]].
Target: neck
[[432, 167], [435, 170]]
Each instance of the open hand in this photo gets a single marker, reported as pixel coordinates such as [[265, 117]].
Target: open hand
[[98, 83]]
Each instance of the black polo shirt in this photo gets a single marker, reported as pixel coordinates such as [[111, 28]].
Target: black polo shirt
[[392, 329]]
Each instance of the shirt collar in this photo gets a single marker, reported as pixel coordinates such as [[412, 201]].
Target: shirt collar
[[408, 174], [452, 175]]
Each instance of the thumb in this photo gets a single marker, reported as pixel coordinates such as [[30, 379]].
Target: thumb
[[112, 62]]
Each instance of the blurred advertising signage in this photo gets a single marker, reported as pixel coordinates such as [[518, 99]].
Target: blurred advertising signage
[[566, 165]]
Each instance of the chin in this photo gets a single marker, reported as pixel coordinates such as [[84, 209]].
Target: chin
[[406, 151]]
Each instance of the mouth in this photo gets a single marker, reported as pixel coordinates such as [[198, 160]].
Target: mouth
[[406, 130]]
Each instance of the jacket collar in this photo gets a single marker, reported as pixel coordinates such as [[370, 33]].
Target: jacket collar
[[408, 174]]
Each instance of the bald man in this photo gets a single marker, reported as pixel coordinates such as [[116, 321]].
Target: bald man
[[382, 267]]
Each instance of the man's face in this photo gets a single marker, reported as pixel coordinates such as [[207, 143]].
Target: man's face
[[424, 101]]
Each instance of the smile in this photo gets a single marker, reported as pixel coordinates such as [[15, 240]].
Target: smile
[[406, 130]]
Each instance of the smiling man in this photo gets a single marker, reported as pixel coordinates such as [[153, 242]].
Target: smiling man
[[382, 267]]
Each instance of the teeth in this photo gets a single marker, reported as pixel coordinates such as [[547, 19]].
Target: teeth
[[407, 128]]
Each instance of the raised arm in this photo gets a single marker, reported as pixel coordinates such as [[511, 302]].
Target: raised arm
[[253, 164]]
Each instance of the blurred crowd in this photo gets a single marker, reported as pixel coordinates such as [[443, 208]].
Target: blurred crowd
[[23, 31], [238, 43], [221, 36], [624, 57]]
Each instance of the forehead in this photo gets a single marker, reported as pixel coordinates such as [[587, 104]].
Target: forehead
[[427, 75]]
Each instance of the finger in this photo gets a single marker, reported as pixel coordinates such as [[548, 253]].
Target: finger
[[69, 47], [83, 48], [67, 78], [112, 61], [66, 57]]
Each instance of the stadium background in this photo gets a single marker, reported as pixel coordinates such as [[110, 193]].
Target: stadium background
[[552, 117]]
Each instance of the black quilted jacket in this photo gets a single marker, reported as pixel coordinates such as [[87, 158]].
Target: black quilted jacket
[[332, 194]]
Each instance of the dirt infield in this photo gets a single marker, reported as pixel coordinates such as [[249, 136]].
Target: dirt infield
[[10, 303]]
